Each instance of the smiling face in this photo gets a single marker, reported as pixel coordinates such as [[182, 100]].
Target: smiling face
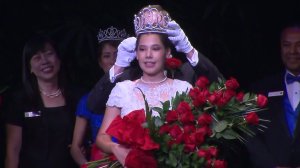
[[290, 49], [107, 57], [151, 54], [45, 64]]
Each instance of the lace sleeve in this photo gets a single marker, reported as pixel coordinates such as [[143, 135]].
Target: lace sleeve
[[120, 94], [115, 97]]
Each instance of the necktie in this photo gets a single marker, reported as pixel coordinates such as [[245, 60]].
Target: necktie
[[290, 78]]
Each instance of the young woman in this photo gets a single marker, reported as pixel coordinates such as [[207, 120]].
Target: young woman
[[41, 118], [109, 40], [152, 49]]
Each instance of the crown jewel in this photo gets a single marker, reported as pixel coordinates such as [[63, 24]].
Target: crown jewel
[[150, 19], [111, 33]]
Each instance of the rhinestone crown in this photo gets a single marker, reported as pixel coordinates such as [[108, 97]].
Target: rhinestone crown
[[111, 33], [150, 19]]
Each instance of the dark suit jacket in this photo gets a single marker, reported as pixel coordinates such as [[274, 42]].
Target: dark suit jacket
[[274, 146], [99, 94]]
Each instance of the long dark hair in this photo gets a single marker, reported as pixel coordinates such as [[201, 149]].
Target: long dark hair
[[33, 45]]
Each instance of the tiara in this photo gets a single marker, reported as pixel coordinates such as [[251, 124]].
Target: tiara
[[111, 33], [150, 19]]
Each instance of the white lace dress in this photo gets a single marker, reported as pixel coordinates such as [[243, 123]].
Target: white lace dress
[[128, 97]]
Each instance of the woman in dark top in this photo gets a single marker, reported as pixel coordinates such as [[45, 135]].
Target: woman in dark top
[[41, 117]]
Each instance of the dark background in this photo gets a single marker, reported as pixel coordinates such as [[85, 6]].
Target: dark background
[[240, 37]]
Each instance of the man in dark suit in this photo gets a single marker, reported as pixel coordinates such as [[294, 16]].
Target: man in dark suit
[[279, 144]]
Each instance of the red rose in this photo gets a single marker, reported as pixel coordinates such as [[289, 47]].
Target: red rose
[[201, 134], [208, 153], [129, 131], [164, 129], [202, 153], [209, 163], [202, 82], [173, 63], [221, 102], [187, 117], [220, 164], [194, 92], [138, 137], [189, 142], [183, 107], [179, 139], [240, 96], [147, 143], [136, 158], [171, 116], [84, 166], [206, 130], [261, 100], [175, 131], [215, 97], [252, 118], [213, 151], [201, 98], [204, 119], [232, 84], [228, 94], [189, 129]]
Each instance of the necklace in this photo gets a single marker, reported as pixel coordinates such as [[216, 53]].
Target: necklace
[[51, 95], [157, 82]]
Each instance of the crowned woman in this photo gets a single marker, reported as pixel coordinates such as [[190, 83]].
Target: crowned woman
[[152, 49]]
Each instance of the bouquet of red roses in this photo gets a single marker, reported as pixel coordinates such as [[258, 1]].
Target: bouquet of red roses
[[188, 125]]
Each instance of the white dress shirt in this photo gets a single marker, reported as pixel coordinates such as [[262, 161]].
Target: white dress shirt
[[293, 91]]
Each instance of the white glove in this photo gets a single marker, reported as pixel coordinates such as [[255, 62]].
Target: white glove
[[126, 52], [178, 38]]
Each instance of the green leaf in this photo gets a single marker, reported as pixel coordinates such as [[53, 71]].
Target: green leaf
[[158, 122], [230, 134], [175, 101], [213, 87], [220, 126], [247, 131], [246, 97], [164, 148], [172, 159], [158, 109], [218, 135], [166, 105]]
